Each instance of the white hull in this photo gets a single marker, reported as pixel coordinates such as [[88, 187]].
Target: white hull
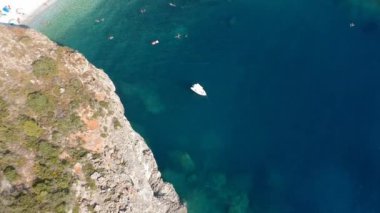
[[197, 88]]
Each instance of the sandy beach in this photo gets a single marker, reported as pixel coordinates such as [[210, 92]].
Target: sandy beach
[[20, 12]]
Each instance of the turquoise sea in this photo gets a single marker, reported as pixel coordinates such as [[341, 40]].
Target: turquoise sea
[[291, 123]]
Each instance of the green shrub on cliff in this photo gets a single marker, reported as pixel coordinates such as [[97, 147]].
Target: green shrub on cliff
[[32, 129], [45, 67], [10, 173], [116, 123], [7, 134], [39, 102], [88, 170], [69, 123], [51, 189]]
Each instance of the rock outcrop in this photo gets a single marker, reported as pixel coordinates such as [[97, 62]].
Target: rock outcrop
[[65, 144]]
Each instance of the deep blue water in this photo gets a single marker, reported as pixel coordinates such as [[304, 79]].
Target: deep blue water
[[292, 118]]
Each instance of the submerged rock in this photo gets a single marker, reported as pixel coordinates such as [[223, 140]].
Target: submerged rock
[[65, 144], [183, 161]]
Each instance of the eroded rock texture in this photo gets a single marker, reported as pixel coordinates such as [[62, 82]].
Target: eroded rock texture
[[65, 145]]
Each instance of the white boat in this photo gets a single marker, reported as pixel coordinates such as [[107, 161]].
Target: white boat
[[197, 88]]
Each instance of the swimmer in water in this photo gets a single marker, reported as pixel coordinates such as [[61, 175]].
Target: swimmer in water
[[155, 42], [178, 36], [172, 4], [352, 24], [110, 37], [99, 20], [142, 10]]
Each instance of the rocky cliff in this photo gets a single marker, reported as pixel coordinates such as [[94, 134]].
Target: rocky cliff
[[65, 145]]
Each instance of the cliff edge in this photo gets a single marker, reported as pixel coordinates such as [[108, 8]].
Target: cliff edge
[[65, 144]]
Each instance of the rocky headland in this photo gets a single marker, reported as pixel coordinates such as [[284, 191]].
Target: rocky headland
[[65, 144]]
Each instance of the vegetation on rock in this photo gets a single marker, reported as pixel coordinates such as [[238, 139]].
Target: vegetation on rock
[[38, 146], [10, 173], [39, 102], [45, 67], [60, 150], [31, 129]]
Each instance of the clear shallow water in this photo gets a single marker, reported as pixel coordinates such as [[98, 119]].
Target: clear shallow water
[[291, 123]]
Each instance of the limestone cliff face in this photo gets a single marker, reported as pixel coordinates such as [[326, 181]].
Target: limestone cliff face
[[65, 145]]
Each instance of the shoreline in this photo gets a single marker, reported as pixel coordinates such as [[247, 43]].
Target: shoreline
[[59, 16], [23, 13], [38, 11]]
